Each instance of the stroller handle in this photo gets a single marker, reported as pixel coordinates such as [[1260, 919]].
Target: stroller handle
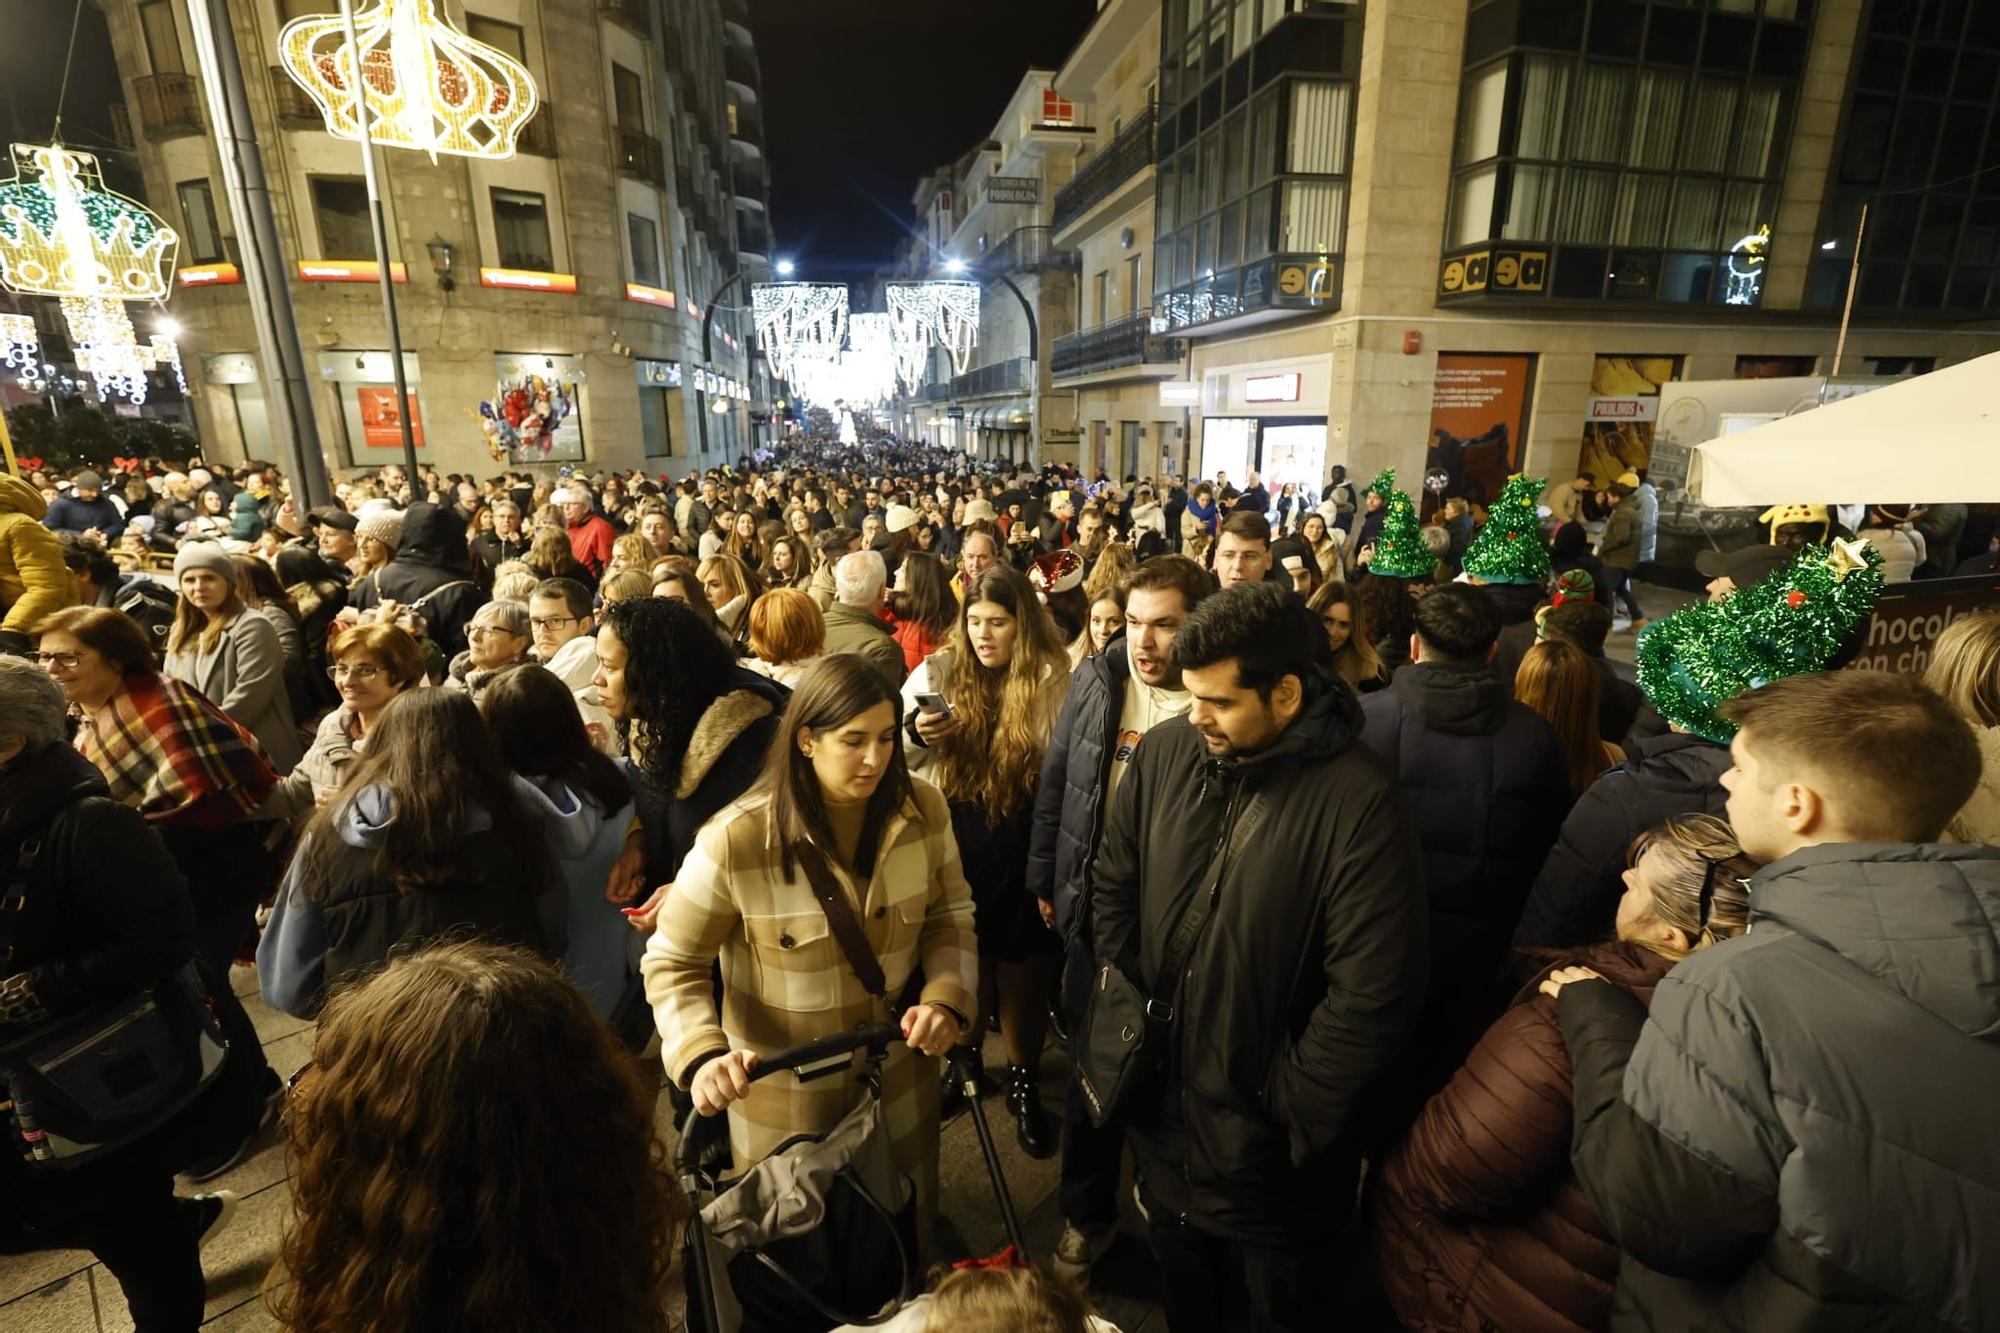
[[874, 1037]]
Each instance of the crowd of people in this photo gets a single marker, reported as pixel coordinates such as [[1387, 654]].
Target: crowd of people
[[1377, 909]]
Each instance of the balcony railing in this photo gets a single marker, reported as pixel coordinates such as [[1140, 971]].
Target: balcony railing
[[935, 392], [1123, 158], [538, 136], [169, 105], [634, 14], [1026, 248], [1010, 376], [1123, 342], [683, 183], [639, 156], [295, 107], [753, 234], [739, 66]]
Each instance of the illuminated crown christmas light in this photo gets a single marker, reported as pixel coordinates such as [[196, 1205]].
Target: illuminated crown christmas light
[[62, 233], [429, 86]]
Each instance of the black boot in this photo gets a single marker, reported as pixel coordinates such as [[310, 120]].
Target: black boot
[[1031, 1123]]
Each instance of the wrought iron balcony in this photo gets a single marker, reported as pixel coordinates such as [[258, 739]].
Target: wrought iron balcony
[[639, 156], [634, 14], [295, 107], [169, 105], [1026, 248], [1123, 158], [1010, 376], [538, 136], [1122, 342]]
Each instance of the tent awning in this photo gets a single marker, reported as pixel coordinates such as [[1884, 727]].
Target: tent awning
[[1933, 438]]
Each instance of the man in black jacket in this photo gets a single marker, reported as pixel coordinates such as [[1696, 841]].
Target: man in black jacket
[[1303, 982], [1114, 698], [1800, 1132], [1489, 785], [431, 575]]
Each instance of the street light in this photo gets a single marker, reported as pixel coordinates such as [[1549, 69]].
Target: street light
[[784, 268]]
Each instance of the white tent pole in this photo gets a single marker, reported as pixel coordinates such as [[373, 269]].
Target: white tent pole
[[1847, 310]]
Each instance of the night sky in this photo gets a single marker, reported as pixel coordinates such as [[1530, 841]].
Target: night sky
[[862, 97]]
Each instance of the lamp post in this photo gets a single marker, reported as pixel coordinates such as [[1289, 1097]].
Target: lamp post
[[958, 268], [784, 270]]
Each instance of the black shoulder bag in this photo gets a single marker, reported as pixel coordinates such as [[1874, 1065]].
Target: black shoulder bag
[[86, 1084]]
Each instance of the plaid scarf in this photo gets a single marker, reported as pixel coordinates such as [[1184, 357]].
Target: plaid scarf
[[176, 757]]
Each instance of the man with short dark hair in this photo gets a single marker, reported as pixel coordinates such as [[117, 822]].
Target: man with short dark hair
[[86, 510], [1243, 550], [1304, 975], [1489, 784], [1799, 1133], [1115, 698]]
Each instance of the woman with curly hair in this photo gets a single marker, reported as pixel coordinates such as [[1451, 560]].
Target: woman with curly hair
[[430, 1186], [1346, 623], [695, 724], [1002, 678]]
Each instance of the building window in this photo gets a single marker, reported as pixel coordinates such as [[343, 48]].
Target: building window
[[628, 96], [499, 35], [521, 230], [1057, 110], [1134, 277], [1100, 289], [644, 235], [203, 237], [340, 207], [163, 42]]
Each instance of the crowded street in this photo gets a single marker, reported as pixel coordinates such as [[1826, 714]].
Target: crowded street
[[1289, 665]]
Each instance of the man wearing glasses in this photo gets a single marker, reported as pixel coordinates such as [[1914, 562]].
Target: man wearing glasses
[[565, 643]]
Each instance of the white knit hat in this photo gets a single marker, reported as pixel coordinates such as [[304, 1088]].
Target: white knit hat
[[385, 525], [899, 518]]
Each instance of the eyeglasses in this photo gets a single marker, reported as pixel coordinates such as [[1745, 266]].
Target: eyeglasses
[[481, 631], [67, 661], [550, 622], [361, 671]]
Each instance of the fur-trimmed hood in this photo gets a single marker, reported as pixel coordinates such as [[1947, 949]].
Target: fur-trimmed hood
[[732, 714]]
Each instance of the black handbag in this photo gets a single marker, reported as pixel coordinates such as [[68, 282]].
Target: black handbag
[[87, 1084]]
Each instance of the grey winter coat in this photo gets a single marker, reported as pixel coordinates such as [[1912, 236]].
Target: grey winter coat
[[244, 676], [1803, 1135]]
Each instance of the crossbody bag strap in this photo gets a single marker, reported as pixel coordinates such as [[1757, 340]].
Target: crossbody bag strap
[[14, 891], [1187, 931], [840, 919]]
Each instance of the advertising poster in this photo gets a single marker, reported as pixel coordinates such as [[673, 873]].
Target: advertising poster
[[1479, 411], [1909, 617], [1624, 406], [381, 426]]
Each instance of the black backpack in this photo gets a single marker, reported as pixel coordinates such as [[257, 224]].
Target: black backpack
[[152, 605]]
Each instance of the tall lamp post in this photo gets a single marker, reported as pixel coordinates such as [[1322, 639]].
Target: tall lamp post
[[784, 270], [958, 268]]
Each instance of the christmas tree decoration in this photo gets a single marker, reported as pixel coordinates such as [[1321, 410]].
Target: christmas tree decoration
[[428, 86], [1508, 549], [62, 233], [1795, 621], [799, 321], [1384, 484], [1399, 548]]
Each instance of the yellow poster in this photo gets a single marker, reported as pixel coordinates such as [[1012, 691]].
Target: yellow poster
[[1624, 402]]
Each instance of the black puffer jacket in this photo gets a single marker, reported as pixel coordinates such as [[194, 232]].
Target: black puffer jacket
[[1802, 1137], [1069, 799], [1575, 898], [1304, 984], [432, 566]]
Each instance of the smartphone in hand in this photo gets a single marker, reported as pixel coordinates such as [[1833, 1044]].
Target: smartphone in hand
[[933, 703]]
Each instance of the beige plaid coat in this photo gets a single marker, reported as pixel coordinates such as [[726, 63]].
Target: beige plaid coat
[[785, 981]]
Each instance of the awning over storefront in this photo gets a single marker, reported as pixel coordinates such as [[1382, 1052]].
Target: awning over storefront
[[1933, 438]]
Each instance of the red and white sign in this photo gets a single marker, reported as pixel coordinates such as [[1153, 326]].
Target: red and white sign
[[1626, 409], [210, 275], [1271, 388], [639, 291], [527, 280], [348, 270]]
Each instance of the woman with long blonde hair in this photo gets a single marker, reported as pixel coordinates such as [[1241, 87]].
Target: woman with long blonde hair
[[1001, 681], [1561, 684], [1346, 624], [1965, 669]]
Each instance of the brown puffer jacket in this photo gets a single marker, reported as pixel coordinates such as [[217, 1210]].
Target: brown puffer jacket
[[1476, 1220]]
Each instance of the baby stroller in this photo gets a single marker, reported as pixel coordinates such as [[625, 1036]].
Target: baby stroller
[[823, 1231]]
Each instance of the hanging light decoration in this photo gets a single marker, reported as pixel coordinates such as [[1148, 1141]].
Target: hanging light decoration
[[429, 86], [870, 359], [799, 321], [63, 234], [924, 314], [957, 322], [21, 349]]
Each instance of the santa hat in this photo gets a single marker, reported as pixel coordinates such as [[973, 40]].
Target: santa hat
[[1058, 571]]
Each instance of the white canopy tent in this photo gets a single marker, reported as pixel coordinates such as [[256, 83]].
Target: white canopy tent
[[1932, 438]]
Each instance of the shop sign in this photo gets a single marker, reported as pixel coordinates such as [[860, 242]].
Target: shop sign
[[659, 374], [209, 275], [1507, 272], [229, 368], [381, 424], [1271, 388], [639, 291], [954, 414], [1625, 409], [527, 280], [1909, 617], [1180, 393], [348, 270]]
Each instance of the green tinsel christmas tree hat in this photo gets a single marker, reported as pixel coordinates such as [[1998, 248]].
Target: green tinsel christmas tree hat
[[1509, 548], [1794, 622], [1384, 484], [1399, 547]]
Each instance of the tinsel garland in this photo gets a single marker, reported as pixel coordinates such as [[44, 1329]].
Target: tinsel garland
[[1793, 622], [1384, 484], [1399, 547], [1508, 549]]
